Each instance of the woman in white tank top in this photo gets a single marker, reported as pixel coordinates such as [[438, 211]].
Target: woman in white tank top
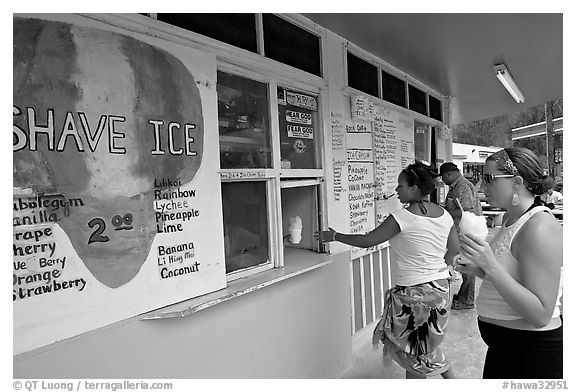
[[423, 241], [519, 313]]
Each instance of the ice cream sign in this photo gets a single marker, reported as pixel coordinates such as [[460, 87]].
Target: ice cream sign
[[110, 210]]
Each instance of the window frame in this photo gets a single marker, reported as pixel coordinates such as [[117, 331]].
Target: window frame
[[277, 178], [256, 31], [382, 66], [376, 70], [270, 201], [319, 151], [297, 24]]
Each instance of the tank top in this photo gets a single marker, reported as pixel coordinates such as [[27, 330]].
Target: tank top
[[489, 302], [417, 252]]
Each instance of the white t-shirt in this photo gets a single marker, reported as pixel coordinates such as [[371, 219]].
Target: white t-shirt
[[417, 252]]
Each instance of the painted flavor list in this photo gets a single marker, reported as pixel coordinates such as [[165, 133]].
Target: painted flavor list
[[173, 207]]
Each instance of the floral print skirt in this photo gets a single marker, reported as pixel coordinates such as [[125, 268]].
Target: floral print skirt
[[413, 324]]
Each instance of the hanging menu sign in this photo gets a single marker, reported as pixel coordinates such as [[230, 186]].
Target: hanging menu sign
[[360, 170], [393, 139], [338, 153]]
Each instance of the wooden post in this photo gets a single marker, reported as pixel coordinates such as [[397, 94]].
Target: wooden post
[[550, 138]]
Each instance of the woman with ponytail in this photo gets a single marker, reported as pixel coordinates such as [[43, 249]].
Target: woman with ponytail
[[519, 309], [423, 240]]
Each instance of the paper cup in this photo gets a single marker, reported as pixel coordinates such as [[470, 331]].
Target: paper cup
[[295, 235]]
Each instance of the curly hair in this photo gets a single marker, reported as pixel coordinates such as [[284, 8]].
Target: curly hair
[[421, 175]]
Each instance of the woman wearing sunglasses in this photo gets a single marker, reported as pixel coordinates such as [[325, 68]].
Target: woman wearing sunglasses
[[519, 300]]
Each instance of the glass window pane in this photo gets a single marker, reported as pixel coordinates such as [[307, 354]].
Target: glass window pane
[[245, 224], [243, 123], [290, 44], [234, 29], [393, 89], [299, 129], [417, 100], [362, 75], [421, 141], [435, 106]]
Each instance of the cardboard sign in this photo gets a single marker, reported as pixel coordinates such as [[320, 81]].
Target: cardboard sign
[[298, 117], [298, 131], [301, 100]]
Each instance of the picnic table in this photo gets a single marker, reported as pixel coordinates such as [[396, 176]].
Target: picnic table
[[492, 213]]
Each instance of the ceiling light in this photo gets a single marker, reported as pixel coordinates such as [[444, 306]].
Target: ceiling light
[[506, 79]]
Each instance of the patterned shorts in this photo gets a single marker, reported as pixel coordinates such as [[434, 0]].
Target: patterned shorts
[[413, 324]]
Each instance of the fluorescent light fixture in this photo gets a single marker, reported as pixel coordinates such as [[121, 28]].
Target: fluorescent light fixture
[[506, 79]]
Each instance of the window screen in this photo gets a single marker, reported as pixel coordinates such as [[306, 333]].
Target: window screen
[[234, 29], [435, 106], [417, 100], [290, 44], [362, 75], [393, 89]]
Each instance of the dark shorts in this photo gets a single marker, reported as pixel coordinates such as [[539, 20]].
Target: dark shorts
[[514, 353]]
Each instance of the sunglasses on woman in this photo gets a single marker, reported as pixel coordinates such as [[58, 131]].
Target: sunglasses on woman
[[488, 178]]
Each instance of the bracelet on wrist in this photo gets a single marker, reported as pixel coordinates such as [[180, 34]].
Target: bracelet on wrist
[[334, 236]]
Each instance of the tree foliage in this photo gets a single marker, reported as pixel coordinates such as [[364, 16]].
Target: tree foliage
[[497, 131]]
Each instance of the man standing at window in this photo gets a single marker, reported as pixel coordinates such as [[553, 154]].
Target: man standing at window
[[461, 191]]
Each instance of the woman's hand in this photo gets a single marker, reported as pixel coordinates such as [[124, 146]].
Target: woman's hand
[[325, 236], [466, 266], [476, 250]]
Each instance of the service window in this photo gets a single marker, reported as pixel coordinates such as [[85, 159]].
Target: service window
[[300, 217], [246, 228], [243, 123], [299, 129], [269, 216]]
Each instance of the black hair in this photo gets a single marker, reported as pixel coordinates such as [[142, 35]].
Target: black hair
[[421, 175], [528, 166], [548, 183]]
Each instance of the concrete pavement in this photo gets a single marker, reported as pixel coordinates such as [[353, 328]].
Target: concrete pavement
[[462, 345]]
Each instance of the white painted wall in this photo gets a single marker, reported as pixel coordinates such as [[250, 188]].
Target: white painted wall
[[298, 328]]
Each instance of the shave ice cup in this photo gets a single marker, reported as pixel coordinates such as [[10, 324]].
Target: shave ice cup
[[295, 229], [474, 224]]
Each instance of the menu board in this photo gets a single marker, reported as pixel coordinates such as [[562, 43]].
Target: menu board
[[360, 171], [393, 137], [338, 142], [112, 216], [379, 144]]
